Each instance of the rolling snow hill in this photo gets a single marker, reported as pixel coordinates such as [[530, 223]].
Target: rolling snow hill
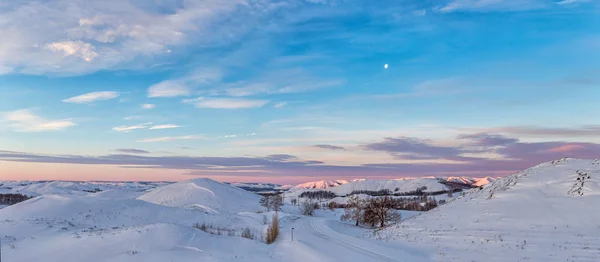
[[545, 213], [204, 194]]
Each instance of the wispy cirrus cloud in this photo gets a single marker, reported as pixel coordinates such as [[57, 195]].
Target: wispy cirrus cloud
[[169, 88], [131, 128], [226, 103], [185, 85], [24, 120], [92, 97], [171, 138], [148, 126], [492, 5], [132, 151], [168, 126], [330, 147]]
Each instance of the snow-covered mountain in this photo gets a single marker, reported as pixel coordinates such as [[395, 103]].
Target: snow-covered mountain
[[544, 213], [204, 194], [322, 184]]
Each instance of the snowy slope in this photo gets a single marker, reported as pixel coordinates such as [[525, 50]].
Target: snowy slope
[[545, 213], [157, 242], [204, 194]]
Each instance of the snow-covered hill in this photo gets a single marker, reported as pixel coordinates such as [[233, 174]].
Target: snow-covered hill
[[204, 194], [545, 213], [322, 184]]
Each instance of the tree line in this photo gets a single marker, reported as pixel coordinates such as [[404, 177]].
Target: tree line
[[11, 199]]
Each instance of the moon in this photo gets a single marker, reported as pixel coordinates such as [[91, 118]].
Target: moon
[[385, 66]]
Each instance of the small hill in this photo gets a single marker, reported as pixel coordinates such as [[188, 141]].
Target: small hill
[[204, 194], [60, 188], [544, 213]]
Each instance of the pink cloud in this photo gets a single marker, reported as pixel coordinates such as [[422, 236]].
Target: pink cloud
[[566, 148]]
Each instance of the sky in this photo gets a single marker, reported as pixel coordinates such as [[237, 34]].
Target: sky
[[295, 90]]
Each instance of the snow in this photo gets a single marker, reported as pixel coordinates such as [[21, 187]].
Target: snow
[[545, 213], [528, 216], [204, 193]]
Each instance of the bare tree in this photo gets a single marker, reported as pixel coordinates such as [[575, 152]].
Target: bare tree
[[354, 209], [276, 202], [383, 210], [265, 201], [308, 208]]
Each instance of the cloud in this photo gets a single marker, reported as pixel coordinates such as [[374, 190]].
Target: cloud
[[570, 2], [86, 36], [132, 151], [167, 126], [79, 49], [281, 157], [183, 86], [226, 103], [168, 88], [582, 131], [414, 148], [131, 128], [491, 5], [167, 162], [171, 138], [25, 121], [330, 147], [148, 106], [92, 97], [148, 126], [280, 104], [488, 140]]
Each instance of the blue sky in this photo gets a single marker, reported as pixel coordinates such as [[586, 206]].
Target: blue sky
[[290, 91]]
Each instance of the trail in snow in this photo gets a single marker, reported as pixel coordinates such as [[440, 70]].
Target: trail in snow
[[314, 240]]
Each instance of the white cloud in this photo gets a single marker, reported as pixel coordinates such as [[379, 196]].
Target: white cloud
[[169, 88], [183, 86], [171, 138], [25, 121], [87, 36], [491, 5], [91, 97], [148, 126], [168, 126], [148, 106], [280, 104], [568, 2], [226, 103], [79, 49], [131, 128]]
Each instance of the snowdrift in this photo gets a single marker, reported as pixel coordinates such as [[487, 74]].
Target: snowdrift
[[204, 194], [545, 213]]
